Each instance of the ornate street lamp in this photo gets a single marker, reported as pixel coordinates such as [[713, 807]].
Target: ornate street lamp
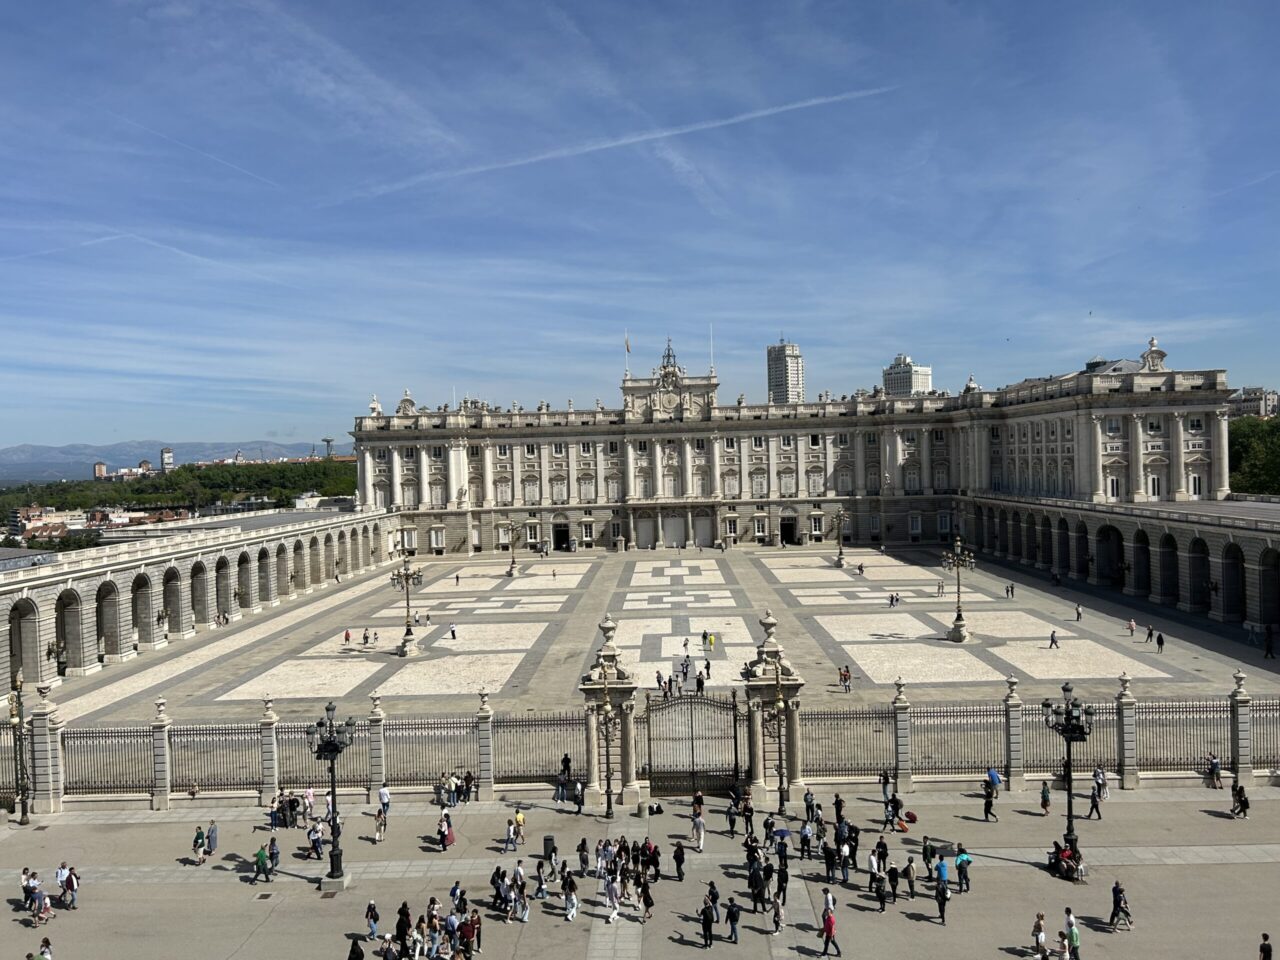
[[327, 739], [405, 579], [957, 559], [1073, 722], [609, 723], [840, 518], [18, 729], [775, 728]]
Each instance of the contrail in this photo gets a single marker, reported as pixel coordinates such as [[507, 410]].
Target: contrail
[[596, 146], [187, 146], [73, 246]]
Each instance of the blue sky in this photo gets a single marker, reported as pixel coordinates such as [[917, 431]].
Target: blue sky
[[224, 220]]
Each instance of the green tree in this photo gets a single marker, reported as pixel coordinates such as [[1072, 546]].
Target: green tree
[[1254, 455]]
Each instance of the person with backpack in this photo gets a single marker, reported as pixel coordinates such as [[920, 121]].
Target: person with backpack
[[963, 862], [732, 915]]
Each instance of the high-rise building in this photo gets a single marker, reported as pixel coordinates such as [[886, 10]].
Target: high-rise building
[[906, 378], [786, 373], [166, 460]]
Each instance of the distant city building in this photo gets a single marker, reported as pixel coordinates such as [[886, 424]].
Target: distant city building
[[906, 378], [166, 459], [1255, 402], [786, 373], [99, 471]]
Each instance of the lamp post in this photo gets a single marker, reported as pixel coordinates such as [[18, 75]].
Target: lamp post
[[609, 722], [404, 579], [18, 728], [775, 727], [1073, 722], [840, 518], [327, 739], [957, 559]]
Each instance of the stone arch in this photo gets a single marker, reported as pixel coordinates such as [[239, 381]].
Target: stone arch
[[1198, 575], [1269, 587], [142, 609], [366, 547], [381, 494], [1083, 554], [1015, 536], [199, 592], [1046, 542], [1140, 583], [1234, 601], [1108, 556], [1002, 534], [344, 555], [243, 593], [992, 540], [24, 641], [222, 590], [1030, 542], [171, 600], [66, 631], [298, 572], [264, 575], [315, 566], [1063, 563], [1167, 570], [378, 546], [328, 556], [282, 571], [106, 610]]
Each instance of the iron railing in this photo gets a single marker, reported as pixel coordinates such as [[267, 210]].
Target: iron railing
[[1265, 726], [693, 742], [8, 776], [848, 742], [299, 767], [965, 738], [527, 749], [418, 749], [223, 757], [1177, 736], [107, 760], [1044, 753]]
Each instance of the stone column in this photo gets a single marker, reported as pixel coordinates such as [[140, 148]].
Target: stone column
[[1242, 731], [984, 456], [1127, 734], [85, 641], [829, 465], [123, 616], [772, 443], [459, 490], [602, 490], [924, 448], [1221, 481], [687, 477], [629, 470], [484, 734], [161, 767], [860, 462], [571, 472], [716, 489], [255, 605], [270, 751], [366, 477], [592, 794], [424, 477], [273, 596], [46, 755], [1015, 768], [544, 474], [1097, 484], [903, 779], [755, 745], [396, 456], [1178, 457], [655, 474], [486, 463], [179, 625], [630, 786], [795, 751], [1137, 465]]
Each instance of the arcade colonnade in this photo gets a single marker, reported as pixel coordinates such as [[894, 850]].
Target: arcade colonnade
[[97, 607], [1230, 574]]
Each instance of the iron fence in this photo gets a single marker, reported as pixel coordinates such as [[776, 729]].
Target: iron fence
[[1265, 726], [1177, 736], [527, 749], [957, 738], [418, 749], [849, 742], [222, 757], [299, 767], [8, 776], [112, 760], [1044, 753], [693, 742]]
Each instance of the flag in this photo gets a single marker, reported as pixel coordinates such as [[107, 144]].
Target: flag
[[626, 340]]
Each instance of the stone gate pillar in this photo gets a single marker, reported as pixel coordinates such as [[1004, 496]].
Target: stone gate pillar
[[1015, 769], [1127, 734], [46, 755], [484, 734], [1241, 731], [903, 778], [161, 758], [610, 692], [591, 785], [269, 756], [773, 704]]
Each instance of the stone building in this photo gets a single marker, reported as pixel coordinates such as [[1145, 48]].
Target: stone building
[[906, 378], [785, 372], [673, 466]]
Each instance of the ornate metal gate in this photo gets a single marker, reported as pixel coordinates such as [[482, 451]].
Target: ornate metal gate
[[695, 742]]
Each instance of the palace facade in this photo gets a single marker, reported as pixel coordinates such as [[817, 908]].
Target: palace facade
[[674, 467]]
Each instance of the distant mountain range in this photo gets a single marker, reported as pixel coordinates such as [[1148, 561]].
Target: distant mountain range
[[39, 464]]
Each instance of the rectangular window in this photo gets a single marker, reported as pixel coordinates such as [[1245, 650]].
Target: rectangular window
[[642, 446], [615, 530], [1195, 485], [530, 449], [873, 438], [913, 524], [380, 454], [762, 527], [875, 524], [1113, 488], [944, 523], [1195, 423], [585, 448], [1153, 486], [588, 531], [731, 526], [557, 449], [504, 451], [613, 448], [1113, 425], [757, 443], [437, 453], [842, 439], [759, 485], [909, 436], [1153, 426], [613, 486], [815, 441], [473, 450], [995, 433], [437, 539], [815, 526], [731, 443], [699, 444], [939, 436], [786, 441], [475, 537], [504, 536], [531, 533]]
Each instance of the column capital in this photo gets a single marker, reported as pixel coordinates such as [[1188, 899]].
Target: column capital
[[1178, 416]]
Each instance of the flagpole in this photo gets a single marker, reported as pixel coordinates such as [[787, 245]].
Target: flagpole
[[712, 328], [626, 356]]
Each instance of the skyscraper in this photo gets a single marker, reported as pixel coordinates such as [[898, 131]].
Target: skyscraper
[[905, 378], [786, 373]]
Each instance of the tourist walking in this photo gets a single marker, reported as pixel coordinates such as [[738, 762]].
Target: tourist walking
[[197, 845], [828, 932], [371, 918], [1132, 626], [1120, 907], [1038, 948], [210, 840], [1095, 801], [1159, 643], [1045, 798], [261, 866], [453, 631], [941, 894], [706, 917], [1053, 639], [988, 801], [1079, 613], [1151, 632]]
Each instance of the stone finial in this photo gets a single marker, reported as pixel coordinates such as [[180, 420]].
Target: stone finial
[[375, 699], [608, 628], [1012, 683], [484, 701], [1125, 680], [1239, 678], [901, 686], [161, 703], [44, 689], [770, 625]]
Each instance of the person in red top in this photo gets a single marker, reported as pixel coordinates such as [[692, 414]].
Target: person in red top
[[829, 932]]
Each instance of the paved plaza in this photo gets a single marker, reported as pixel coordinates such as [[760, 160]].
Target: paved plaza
[[527, 639], [1180, 858]]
